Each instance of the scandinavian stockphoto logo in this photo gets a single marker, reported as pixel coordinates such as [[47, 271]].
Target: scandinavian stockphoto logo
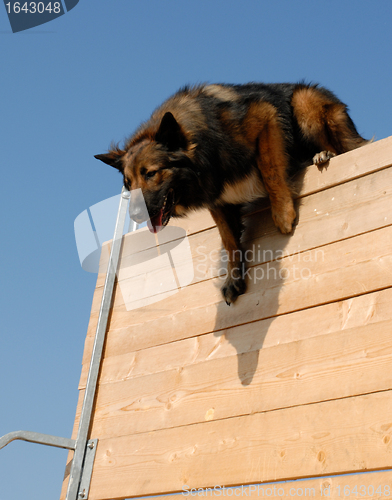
[[152, 266], [26, 15]]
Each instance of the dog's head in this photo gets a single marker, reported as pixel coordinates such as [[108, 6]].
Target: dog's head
[[157, 164]]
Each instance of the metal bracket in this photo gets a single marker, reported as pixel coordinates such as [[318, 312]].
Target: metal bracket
[[89, 458]]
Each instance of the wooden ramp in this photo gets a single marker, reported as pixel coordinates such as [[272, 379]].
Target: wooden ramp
[[293, 381]]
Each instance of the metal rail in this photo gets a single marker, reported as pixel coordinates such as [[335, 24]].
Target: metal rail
[[36, 437], [85, 418], [84, 450]]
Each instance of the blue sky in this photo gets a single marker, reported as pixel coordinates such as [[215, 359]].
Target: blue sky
[[70, 87]]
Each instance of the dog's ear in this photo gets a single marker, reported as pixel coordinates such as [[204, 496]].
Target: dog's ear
[[113, 158], [170, 133]]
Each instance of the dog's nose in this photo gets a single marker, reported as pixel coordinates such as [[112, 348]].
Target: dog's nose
[[137, 207], [138, 210], [138, 213]]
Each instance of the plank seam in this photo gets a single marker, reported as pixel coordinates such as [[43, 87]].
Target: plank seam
[[256, 320], [244, 415]]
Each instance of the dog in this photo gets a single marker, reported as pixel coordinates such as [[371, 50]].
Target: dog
[[218, 146]]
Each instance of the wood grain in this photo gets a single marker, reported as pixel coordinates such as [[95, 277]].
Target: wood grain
[[343, 269], [321, 368], [346, 435], [121, 362]]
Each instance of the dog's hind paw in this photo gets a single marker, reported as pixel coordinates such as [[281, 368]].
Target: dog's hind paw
[[232, 288], [323, 157]]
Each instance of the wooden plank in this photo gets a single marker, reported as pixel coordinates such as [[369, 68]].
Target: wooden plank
[[341, 212], [369, 486], [344, 269], [351, 165], [121, 362], [348, 363], [346, 435], [103, 263]]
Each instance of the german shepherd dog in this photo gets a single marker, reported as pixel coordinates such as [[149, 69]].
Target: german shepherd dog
[[220, 146]]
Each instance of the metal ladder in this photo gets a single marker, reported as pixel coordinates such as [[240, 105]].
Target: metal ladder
[[84, 449]]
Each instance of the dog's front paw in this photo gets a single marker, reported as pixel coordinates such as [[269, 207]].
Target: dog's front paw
[[232, 288], [284, 218]]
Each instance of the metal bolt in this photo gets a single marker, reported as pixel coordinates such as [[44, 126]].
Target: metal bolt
[[126, 194], [91, 445], [82, 494]]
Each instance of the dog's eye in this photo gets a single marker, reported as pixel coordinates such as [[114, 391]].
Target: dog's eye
[[150, 174]]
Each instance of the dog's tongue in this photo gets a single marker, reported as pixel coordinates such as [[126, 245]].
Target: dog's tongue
[[155, 223]]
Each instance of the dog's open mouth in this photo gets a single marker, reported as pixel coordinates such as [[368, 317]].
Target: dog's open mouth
[[161, 219]]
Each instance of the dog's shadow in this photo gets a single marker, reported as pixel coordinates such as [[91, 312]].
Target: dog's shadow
[[245, 324]]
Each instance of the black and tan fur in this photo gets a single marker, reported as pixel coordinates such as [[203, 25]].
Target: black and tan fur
[[219, 146]]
